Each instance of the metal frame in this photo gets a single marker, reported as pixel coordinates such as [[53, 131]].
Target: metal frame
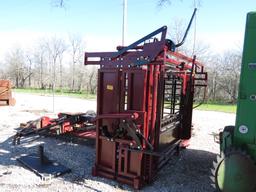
[[144, 107], [68, 126]]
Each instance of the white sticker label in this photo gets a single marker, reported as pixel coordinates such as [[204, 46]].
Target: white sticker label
[[243, 129], [252, 66], [253, 97]]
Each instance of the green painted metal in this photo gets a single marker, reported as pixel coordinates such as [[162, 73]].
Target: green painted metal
[[245, 128], [234, 174], [237, 171], [227, 141]]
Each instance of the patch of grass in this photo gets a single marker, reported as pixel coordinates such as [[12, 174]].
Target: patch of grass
[[218, 107], [228, 108], [82, 94]]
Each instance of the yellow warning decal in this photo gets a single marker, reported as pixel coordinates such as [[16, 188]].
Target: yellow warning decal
[[110, 87]]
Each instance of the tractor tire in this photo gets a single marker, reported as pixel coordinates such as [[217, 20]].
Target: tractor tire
[[234, 171]]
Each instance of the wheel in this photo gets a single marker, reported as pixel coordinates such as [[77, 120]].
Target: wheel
[[229, 129], [234, 171]]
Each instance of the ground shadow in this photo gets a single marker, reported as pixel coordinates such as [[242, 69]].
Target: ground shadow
[[190, 171]]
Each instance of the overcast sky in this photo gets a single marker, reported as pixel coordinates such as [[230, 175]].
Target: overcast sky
[[220, 23]]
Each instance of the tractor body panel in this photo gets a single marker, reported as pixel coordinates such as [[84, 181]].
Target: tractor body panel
[[235, 168], [245, 129]]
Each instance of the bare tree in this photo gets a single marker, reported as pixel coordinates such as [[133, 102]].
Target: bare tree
[[29, 60], [92, 80], [224, 72], [18, 71], [213, 77], [196, 3], [41, 77], [77, 54], [58, 3], [229, 74], [55, 48]]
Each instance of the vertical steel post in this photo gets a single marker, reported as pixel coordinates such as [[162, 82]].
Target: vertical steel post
[[124, 22]]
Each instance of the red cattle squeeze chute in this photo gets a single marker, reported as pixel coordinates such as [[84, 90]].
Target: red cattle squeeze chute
[[144, 107]]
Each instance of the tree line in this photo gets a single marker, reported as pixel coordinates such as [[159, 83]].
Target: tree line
[[223, 69], [58, 63], [52, 63], [223, 74]]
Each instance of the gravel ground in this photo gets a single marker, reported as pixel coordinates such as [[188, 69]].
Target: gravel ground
[[188, 172]]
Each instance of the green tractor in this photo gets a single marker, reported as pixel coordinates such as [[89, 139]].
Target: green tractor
[[235, 169]]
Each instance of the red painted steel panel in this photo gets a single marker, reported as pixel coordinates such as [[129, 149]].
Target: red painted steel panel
[[134, 163], [108, 100], [107, 156], [137, 91], [135, 80]]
